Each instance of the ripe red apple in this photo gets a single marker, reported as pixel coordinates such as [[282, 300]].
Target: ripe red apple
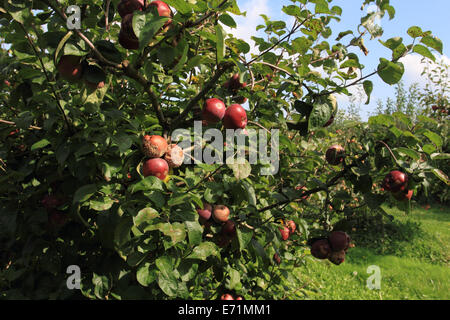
[[239, 298], [221, 213], [234, 83], [154, 146], [229, 229], [434, 107], [70, 68], [213, 110], [320, 249], [127, 37], [7, 83], [285, 233], [156, 167], [129, 6], [339, 240], [337, 257], [291, 225], [174, 156], [335, 154], [226, 296], [162, 7], [403, 195], [235, 117], [205, 213], [395, 181]]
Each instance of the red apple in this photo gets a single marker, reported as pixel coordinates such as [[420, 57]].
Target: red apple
[[154, 146], [235, 117], [156, 167], [95, 86], [205, 213], [50, 201], [163, 9], [239, 298], [277, 258], [395, 181], [221, 213], [226, 296], [335, 154], [57, 218], [234, 83], [291, 225], [129, 6], [70, 68], [7, 83], [339, 240], [213, 110], [285, 233], [174, 156], [434, 107], [320, 249]]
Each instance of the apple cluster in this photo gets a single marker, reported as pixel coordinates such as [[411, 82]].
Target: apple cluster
[[233, 117], [162, 156], [72, 68], [333, 248], [219, 214], [126, 8], [397, 183], [288, 229], [441, 109]]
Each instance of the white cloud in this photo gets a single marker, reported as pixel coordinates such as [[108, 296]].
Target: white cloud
[[414, 67]]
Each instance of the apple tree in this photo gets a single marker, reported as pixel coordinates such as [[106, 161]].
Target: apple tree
[[91, 93]]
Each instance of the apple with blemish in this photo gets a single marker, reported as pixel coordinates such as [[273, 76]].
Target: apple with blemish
[[395, 181], [335, 154], [285, 233], [154, 146], [174, 156], [321, 249], [156, 167]]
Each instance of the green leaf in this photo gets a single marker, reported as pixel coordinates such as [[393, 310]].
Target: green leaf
[[148, 184], [164, 265], [40, 144], [390, 72], [409, 152], [423, 51], [415, 32], [220, 43], [433, 42], [435, 138], [181, 6], [440, 156], [101, 205], [84, 193], [234, 280], [168, 284], [244, 236], [146, 25], [203, 251], [441, 175], [145, 275], [368, 88], [227, 20], [145, 216], [195, 232]]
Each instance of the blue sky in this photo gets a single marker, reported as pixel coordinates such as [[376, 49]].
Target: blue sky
[[432, 15]]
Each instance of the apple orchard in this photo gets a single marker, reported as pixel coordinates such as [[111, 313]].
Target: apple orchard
[[91, 175]]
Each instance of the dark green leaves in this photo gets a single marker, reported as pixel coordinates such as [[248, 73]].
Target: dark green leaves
[[146, 25]]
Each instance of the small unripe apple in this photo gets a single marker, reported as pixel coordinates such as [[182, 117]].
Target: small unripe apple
[[337, 257], [213, 110], [221, 213], [226, 296], [335, 154], [339, 240], [70, 67], [205, 213], [174, 156], [395, 181], [129, 6], [285, 233], [320, 249], [291, 225], [229, 229], [127, 37], [156, 167], [154, 146], [403, 195], [235, 117]]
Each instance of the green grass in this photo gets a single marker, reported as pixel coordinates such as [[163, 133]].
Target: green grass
[[413, 258]]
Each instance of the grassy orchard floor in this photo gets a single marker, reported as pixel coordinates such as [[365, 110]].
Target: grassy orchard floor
[[416, 266]]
